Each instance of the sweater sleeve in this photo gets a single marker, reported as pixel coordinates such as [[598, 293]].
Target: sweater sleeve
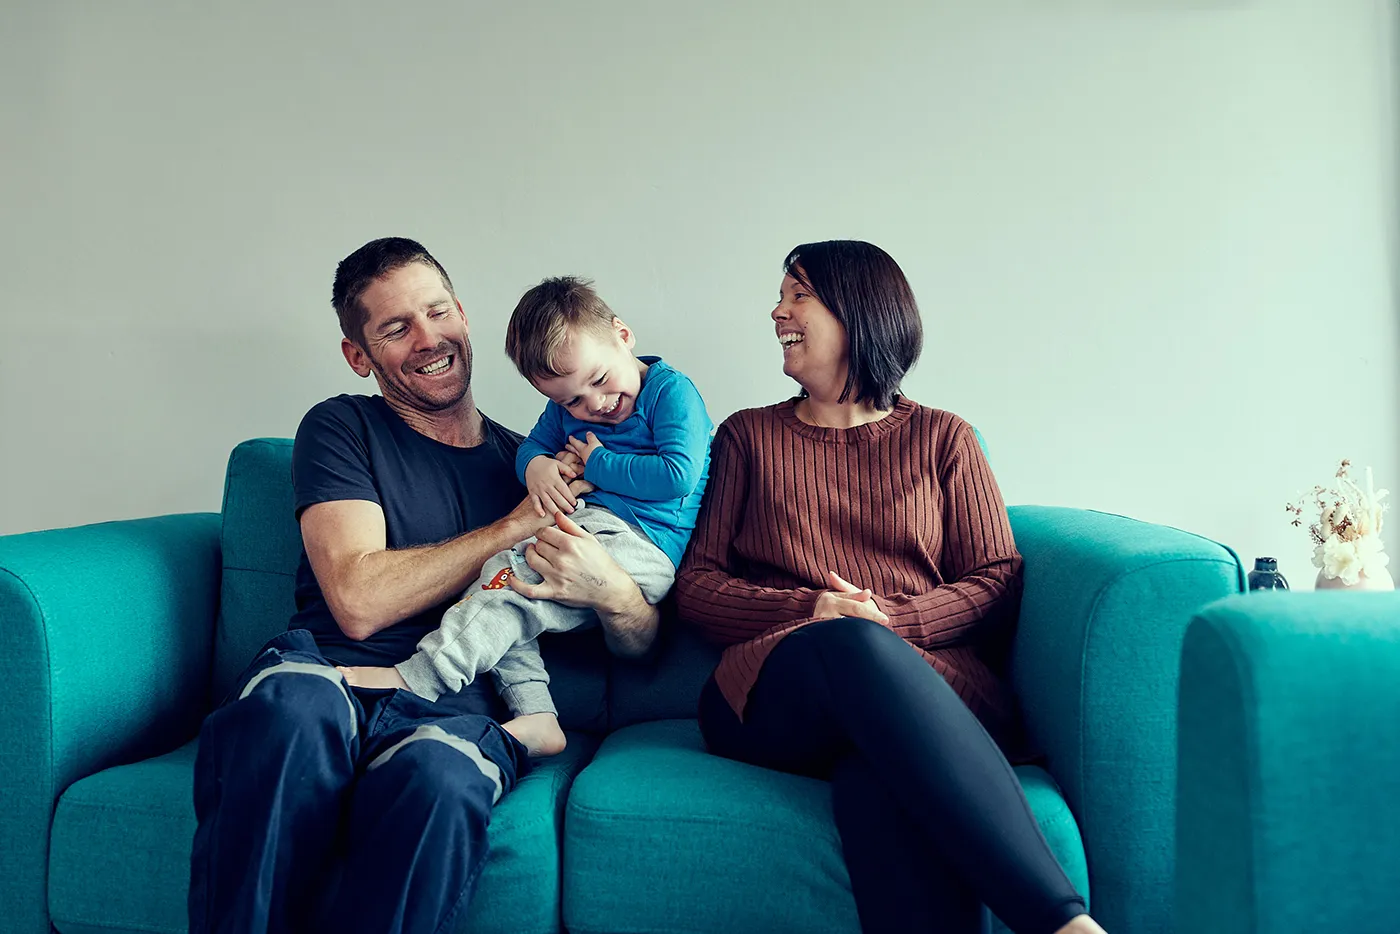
[[709, 592], [680, 429], [546, 438], [979, 560]]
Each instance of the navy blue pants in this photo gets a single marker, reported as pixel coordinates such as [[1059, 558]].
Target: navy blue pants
[[932, 819], [328, 808]]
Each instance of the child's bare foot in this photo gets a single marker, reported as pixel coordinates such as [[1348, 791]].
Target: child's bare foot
[[539, 733], [365, 676]]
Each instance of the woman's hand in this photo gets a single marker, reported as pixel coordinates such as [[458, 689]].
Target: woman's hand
[[846, 599]]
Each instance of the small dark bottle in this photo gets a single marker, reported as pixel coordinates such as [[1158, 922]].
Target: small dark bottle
[[1265, 576]]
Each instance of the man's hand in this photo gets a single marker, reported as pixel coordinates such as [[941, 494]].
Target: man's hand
[[846, 599], [584, 449], [548, 482], [578, 572], [576, 569]]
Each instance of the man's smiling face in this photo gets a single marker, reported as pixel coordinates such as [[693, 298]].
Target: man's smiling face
[[414, 340]]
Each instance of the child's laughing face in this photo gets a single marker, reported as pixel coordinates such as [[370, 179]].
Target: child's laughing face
[[601, 376]]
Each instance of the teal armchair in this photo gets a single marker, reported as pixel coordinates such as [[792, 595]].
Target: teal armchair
[[123, 635], [107, 630], [1290, 748]]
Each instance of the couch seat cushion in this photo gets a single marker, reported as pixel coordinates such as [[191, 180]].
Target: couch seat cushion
[[120, 849], [661, 836]]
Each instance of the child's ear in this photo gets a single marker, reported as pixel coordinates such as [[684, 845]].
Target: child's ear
[[624, 333], [355, 356]]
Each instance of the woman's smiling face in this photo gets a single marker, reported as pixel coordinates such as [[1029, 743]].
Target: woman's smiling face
[[816, 350]]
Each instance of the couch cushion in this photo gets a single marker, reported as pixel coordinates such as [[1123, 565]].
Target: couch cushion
[[662, 836], [666, 686], [261, 546], [120, 849], [261, 549]]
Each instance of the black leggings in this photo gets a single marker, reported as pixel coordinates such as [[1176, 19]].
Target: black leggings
[[932, 819]]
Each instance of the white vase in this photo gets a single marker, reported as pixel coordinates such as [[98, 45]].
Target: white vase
[[1381, 580]]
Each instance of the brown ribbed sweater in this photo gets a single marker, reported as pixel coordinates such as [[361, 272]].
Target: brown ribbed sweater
[[905, 506]]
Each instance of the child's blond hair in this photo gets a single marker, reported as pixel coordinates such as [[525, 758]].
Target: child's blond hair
[[545, 316]]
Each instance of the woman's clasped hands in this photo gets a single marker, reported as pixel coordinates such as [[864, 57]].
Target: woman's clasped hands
[[846, 599]]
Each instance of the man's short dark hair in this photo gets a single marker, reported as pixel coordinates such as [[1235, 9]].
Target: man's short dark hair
[[360, 269], [866, 290]]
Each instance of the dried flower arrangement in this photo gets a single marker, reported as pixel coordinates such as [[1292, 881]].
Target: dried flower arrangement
[[1347, 533]]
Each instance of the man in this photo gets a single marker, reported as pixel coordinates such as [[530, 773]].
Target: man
[[326, 807]]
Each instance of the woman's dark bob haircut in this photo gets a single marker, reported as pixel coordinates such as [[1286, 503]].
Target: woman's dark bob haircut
[[867, 292]]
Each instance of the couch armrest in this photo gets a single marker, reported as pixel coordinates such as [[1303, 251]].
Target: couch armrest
[[107, 631], [1095, 665], [1288, 817]]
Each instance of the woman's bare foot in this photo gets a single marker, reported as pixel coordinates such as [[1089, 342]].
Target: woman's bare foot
[[365, 676], [1081, 924], [539, 733]]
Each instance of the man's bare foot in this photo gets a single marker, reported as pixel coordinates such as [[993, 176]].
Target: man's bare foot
[[1081, 924], [539, 733], [365, 676]]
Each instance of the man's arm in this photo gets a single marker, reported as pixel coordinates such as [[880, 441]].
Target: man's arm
[[370, 588], [629, 623]]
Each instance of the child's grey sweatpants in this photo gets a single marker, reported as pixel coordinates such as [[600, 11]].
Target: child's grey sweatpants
[[493, 628]]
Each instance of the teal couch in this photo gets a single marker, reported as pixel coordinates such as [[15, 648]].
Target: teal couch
[[121, 636], [1289, 753]]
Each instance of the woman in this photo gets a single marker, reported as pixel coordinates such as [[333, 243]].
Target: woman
[[854, 554]]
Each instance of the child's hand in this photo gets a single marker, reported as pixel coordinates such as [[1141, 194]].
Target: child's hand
[[584, 449], [571, 462], [548, 486]]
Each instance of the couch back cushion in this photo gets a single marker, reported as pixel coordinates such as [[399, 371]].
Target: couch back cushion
[[666, 686], [261, 550], [261, 545]]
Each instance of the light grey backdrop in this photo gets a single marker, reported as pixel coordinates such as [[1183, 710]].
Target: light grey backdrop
[[1154, 242]]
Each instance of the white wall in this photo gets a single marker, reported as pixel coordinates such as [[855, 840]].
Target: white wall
[[1154, 241]]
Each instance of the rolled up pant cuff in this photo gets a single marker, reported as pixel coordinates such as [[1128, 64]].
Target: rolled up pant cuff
[[422, 678], [528, 697]]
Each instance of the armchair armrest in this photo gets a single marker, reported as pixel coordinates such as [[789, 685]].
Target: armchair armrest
[[1095, 665], [107, 631], [1288, 816]]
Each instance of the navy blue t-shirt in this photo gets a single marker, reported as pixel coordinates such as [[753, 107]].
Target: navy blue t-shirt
[[355, 447]]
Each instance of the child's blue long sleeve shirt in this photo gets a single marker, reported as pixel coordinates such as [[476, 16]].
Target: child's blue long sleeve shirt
[[652, 467]]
